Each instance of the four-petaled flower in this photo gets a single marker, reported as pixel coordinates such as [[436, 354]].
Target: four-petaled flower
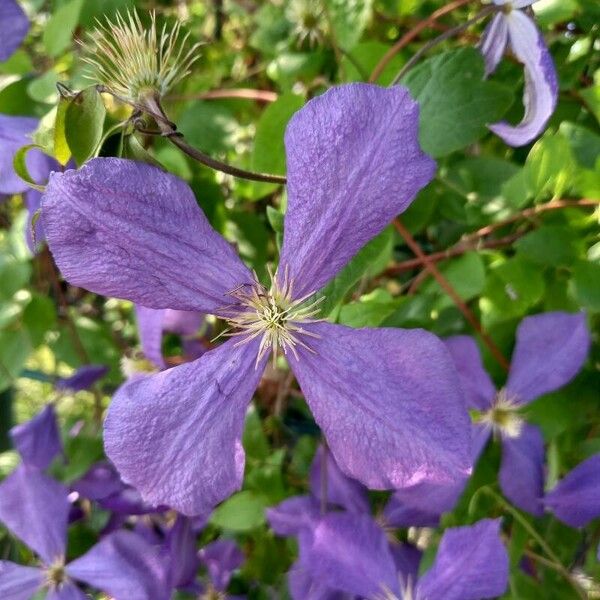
[[512, 26], [387, 400]]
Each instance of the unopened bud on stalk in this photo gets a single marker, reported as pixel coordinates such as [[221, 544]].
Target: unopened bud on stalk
[[134, 62]]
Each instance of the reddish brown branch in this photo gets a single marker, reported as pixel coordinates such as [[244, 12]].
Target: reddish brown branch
[[410, 35], [431, 267]]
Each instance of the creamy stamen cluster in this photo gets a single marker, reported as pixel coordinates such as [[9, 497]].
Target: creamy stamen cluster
[[273, 315], [503, 417]]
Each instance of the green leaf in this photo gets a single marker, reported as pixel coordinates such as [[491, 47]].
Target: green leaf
[[552, 245], [455, 102], [368, 262], [243, 511], [84, 124], [370, 310], [209, 126], [62, 152], [39, 316], [58, 31], [20, 166], [366, 55], [14, 276], [585, 285], [268, 155], [348, 19], [15, 348]]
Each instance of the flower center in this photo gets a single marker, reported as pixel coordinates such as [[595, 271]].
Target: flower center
[[55, 574], [271, 314], [503, 417]]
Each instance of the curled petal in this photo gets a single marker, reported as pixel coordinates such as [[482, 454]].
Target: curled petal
[[353, 163], [493, 42], [388, 402], [541, 83], [350, 553], [550, 350], [576, 498], [176, 436], [83, 379], [18, 582], [471, 564], [221, 559], [477, 385], [522, 469], [38, 441], [35, 508], [123, 565], [127, 229]]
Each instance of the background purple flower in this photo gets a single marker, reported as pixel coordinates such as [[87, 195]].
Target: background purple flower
[[129, 230], [513, 27], [14, 26]]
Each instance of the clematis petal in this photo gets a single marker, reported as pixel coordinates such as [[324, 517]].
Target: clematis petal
[[477, 385], [407, 559], [83, 379], [14, 26], [123, 565], [176, 436], [550, 350], [471, 564], [127, 229], [18, 582], [221, 558], [181, 553], [303, 587], [35, 508], [325, 475], [14, 133], [422, 504], [100, 480], [353, 163], [388, 402], [350, 553], [522, 469], [493, 42], [541, 83], [293, 514], [38, 441], [575, 500], [68, 591]]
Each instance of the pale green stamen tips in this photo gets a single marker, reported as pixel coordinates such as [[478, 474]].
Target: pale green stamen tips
[[132, 61], [272, 315], [503, 417]]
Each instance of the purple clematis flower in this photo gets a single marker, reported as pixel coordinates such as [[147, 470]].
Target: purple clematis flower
[[152, 323], [550, 350], [38, 440], [14, 26], [349, 553], [83, 379], [221, 558], [575, 500], [387, 400], [35, 508], [512, 26]]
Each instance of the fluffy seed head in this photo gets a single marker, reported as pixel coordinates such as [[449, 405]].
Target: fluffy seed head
[[133, 61], [308, 20], [272, 315]]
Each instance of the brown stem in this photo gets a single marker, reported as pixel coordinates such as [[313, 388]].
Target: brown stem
[[412, 34], [447, 287]]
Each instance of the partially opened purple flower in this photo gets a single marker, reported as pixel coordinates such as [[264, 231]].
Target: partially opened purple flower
[[38, 440], [387, 400], [349, 553], [152, 323], [14, 26], [550, 350], [35, 508], [511, 26], [575, 500]]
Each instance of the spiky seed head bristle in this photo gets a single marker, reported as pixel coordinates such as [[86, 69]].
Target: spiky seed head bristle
[[309, 24], [133, 61]]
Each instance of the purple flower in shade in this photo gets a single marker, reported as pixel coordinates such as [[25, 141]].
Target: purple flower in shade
[[575, 500], [512, 26], [387, 400], [14, 26], [83, 379], [38, 440], [35, 508], [349, 553], [152, 323], [221, 558], [550, 349]]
